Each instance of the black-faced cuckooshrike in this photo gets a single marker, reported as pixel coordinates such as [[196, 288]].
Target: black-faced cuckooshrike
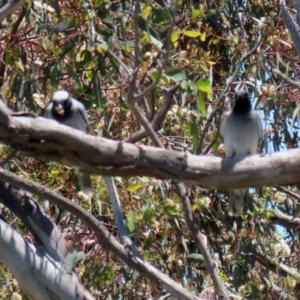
[[241, 130], [70, 112]]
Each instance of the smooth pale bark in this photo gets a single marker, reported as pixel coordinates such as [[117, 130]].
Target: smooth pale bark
[[39, 276], [9, 7], [29, 211]]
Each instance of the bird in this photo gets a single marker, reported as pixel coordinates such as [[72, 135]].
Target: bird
[[70, 112], [241, 131]]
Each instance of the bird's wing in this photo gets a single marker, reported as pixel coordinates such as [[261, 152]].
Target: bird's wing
[[79, 107], [223, 124], [48, 111]]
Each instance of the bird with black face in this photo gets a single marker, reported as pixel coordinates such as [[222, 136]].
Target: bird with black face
[[70, 112], [241, 131]]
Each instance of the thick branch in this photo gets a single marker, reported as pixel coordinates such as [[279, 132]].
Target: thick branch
[[9, 7], [39, 276], [48, 140], [275, 266], [292, 26], [45, 232], [280, 218]]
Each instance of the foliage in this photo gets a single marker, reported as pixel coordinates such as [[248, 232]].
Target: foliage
[[71, 45]]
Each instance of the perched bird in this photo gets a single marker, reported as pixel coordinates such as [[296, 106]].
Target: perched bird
[[241, 130], [70, 112]]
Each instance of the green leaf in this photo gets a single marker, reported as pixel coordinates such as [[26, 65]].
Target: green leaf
[[71, 44], [164, 78], [73, 73], [145, 25], [204, 67], [211, 13], [194, 131], [184, 84], [201, 103], [147, 11], [106, 275], [59, 27], [192, 34], [175, 74], [133, 188], [148, 214], [175, 36], [204, 86], [160, 16], [203, 36], [131, 221], [127, 48], [97, 85], [102, 46], [172, 212], [195, 13], [71, 260], [195, 257], [156, 42], [109, 19], [216, 144]]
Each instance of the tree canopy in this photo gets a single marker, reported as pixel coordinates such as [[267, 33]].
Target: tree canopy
[[155, 77]]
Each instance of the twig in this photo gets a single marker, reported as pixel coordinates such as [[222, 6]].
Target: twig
[[118, 214], [11, 6], [174, 142], [286, 79], [279, 217], [149, 129], [119, 61], [284, 220], [159, 117], [201, 241], [10, 155], [288, 192], [132, 81], [242, 28], [275, 266], [280, 294]]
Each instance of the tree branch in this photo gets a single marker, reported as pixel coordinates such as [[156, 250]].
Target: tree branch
[[9, 7], [292, 26], [39, 276], [284, 220], [45, 232], [118, 216], [158, 118], [286, 79], [275, 266], [201, 241], [50, 141]]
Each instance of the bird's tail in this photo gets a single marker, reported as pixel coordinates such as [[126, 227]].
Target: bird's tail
[[236, 205], [85, 183]]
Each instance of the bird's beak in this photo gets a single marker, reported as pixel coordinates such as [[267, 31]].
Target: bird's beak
[[59, 109]]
